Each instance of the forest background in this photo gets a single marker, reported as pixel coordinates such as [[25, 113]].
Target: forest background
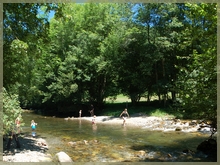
[[91, 52]]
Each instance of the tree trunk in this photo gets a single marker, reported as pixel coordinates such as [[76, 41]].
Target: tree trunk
[[159, 97], [173, 96], [148, 97]]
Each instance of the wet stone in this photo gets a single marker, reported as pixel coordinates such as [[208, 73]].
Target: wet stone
[[178, 129]]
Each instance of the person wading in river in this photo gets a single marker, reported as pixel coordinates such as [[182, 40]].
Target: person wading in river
[[93, 120], [80, 113], [124, 115], [33, 127], [91, 111]]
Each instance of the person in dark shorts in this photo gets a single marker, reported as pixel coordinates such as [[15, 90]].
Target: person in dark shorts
[[124, 115], [91, 111]]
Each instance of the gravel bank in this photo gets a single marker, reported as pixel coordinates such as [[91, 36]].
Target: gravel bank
[[154, 123], [131, 121], [33, 149]]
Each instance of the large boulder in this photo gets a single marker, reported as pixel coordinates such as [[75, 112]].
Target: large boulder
[[209, 147], [63, 157]]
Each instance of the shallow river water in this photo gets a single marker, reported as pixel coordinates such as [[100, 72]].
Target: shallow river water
[[84, 142]]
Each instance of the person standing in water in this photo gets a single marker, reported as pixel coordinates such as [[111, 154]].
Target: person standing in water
[[33, 127], [93, 120], [80, 113], [92, 110], [124, 115], [94, 126]]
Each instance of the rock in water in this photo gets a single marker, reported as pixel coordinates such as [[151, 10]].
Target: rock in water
[[178, 129], [209, 147], [63, 157]]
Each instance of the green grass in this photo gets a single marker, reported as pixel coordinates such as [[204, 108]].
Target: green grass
[[114, 107], [119, 99]]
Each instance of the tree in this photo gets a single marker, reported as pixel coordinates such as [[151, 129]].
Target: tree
[[93, 51], [199, 78], [80, 51], [24, 32]]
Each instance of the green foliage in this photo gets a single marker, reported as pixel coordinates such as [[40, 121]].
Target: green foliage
[[25, 31], [95, 50], [199, 90], [11, 110], [63, 85], [82, 52]]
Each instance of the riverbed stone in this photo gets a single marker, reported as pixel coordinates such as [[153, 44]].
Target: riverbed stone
[[116, 156], [208, 147], [140, 153], [193, 123], [178, 129], [72, 144], [93, 141], [63, 157]]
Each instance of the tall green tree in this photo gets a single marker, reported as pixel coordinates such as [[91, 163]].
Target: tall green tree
[[25, 29], [199, 78], [162, 27], [78, 36]]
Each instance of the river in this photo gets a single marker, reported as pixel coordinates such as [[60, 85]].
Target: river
[[84, 142]]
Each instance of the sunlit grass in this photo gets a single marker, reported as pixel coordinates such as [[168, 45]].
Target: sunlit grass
[[114, 107], [118, 99], [160, 113]]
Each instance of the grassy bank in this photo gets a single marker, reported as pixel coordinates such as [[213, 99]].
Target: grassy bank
[[113, 107]]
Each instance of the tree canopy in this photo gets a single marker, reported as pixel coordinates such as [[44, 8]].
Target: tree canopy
[[92, 51]]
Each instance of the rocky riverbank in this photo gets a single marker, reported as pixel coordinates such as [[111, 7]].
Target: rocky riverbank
[[154, 123], [32, 149]]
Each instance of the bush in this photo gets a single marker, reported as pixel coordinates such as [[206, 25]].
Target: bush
[[11, 110]]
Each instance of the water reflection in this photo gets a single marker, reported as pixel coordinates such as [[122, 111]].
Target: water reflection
[[94, 128], [80, 123], [124, 130]]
